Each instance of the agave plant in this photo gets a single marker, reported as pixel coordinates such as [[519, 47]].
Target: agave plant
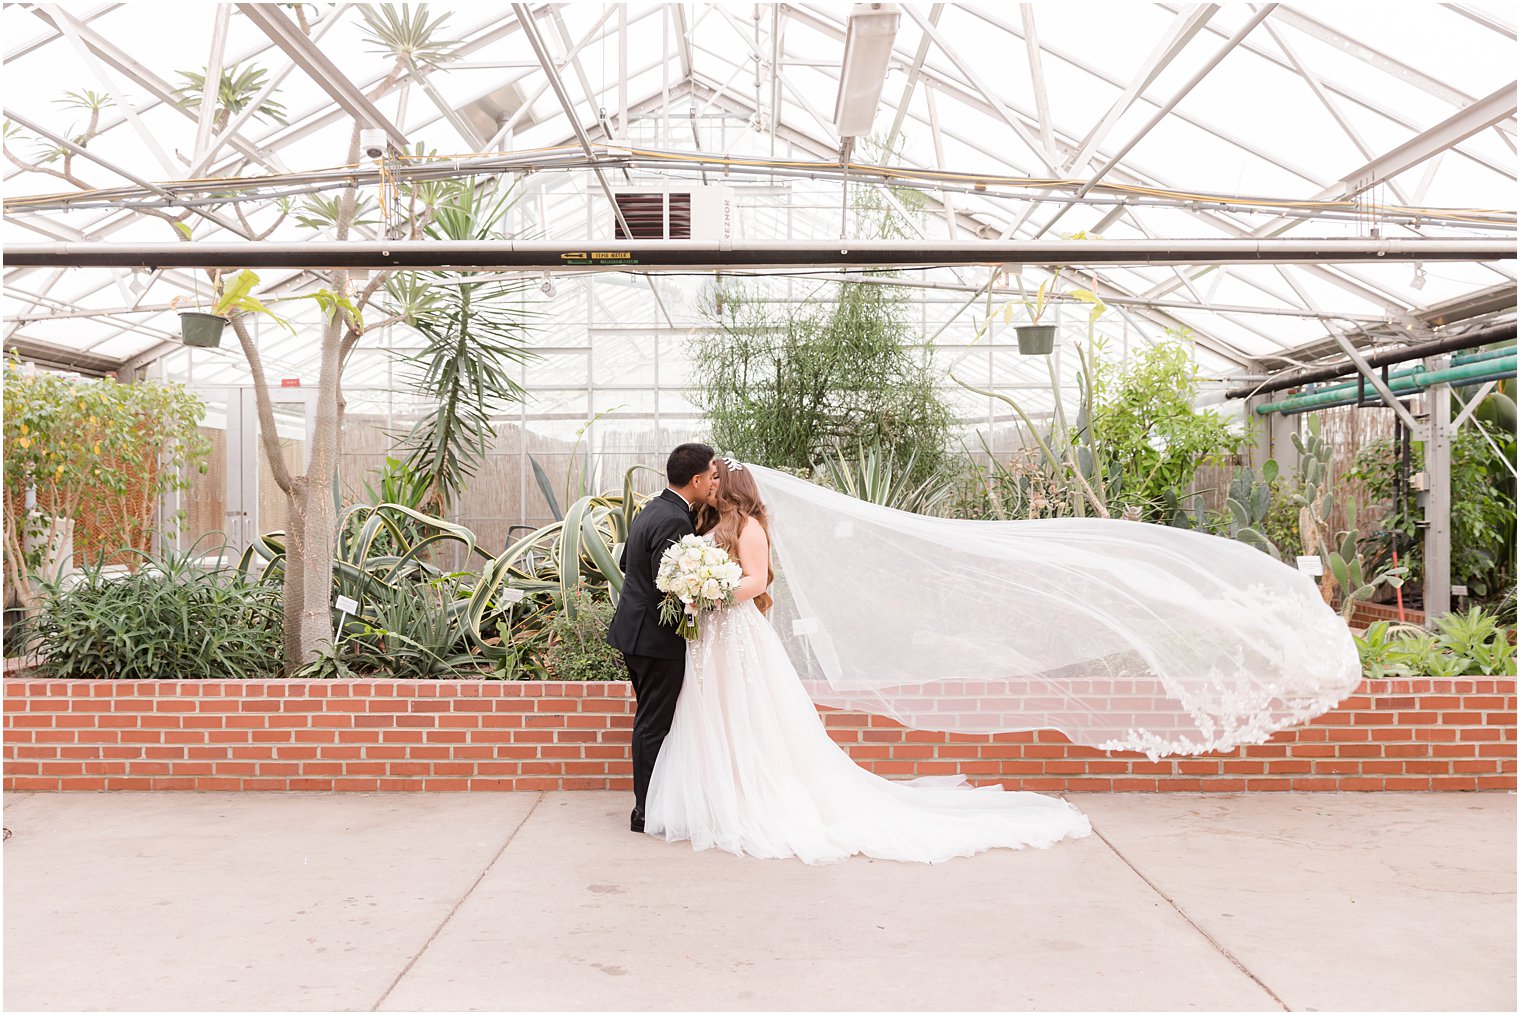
[[498, 615], [576, 480], [874, 475]]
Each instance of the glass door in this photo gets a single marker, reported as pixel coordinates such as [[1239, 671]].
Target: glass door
[[237, 498]]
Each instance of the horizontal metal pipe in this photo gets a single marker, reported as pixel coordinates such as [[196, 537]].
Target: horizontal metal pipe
[[1454, 343], [1490, 370], [671, 255], [1398, 375]]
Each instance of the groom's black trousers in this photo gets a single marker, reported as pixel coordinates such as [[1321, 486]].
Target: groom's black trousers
[[656, 686]]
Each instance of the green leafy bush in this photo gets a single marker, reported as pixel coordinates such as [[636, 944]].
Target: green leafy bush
[[1148, 430], [1473, 643], [788, 384], [578, 649], [1482, 510], [169, 620]]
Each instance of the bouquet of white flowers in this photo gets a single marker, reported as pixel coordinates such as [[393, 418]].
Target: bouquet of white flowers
[[696, 576]]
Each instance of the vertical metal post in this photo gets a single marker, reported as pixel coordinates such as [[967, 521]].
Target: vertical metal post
[[1438, 495]]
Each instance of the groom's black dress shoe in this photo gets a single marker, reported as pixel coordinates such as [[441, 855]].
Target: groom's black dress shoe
[[636, 821]]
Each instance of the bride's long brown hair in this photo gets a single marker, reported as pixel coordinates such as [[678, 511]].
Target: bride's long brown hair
[[738, 501]]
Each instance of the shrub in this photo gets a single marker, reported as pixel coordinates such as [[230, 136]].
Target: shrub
[[1482, 510], [100, 452], [1464, 644], [169, 620], [1149, 431], [578, 649]]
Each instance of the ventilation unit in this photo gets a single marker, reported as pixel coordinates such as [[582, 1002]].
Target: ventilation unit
[[674, 213]]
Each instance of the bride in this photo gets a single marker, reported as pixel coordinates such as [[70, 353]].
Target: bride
[[748, 766]]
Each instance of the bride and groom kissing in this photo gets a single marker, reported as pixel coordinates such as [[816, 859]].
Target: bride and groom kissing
[[728, 748]]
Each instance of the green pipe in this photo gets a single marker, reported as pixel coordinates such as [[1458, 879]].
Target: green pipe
[[1488, 370], [1396, 375], [1482, 354]]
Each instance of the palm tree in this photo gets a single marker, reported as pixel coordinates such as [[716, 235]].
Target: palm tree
[[473, 334], [410, 37], [239, 86]]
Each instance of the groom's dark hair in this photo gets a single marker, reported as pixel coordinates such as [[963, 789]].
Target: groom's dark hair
[[686, 461]]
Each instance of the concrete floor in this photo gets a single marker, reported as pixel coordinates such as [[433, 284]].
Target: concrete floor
[[452, 901]]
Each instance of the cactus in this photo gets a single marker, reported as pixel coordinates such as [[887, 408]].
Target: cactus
[[1248, 504], [1178, 517], [1313, 500], [1346, 566]]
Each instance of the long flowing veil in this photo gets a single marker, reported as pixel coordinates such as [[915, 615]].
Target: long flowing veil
[[1122, 635]]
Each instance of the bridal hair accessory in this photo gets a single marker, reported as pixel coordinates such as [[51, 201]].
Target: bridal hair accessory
[[734, 465], [1123, 635]]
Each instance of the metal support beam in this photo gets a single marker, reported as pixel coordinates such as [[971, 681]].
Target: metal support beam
[[1437, 440], [74, 32], [124, 174], [1377, 382], [1375, 58], [908, 86], [284, 34], [1472, 405], [1166, 107], [1346, 126], [1037, 79], [1188, 23], [658, 255], [1388, 113], [115, 57], [991, 97], [530, 30], [213, 83], [1493, 108], [47, 37]]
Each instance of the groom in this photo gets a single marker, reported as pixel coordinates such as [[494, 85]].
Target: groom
[[655, 654]]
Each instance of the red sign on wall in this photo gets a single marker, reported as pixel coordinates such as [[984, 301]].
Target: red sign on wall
[[290, 382]]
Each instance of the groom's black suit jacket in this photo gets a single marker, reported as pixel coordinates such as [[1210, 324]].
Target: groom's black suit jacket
[[636, 629]]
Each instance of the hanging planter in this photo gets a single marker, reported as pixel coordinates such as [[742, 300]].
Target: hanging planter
[[1036, 339], [202, 330]]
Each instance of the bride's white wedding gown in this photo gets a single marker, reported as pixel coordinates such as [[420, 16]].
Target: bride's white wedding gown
[[748, 767]]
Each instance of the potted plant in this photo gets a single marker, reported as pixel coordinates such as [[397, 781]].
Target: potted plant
[[1036, 339], [204, 330]]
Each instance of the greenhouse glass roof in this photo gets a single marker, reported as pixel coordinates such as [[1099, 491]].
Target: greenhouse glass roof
[[1126, 121]]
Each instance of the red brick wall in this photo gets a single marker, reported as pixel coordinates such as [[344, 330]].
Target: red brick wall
[[1365, 614], [1423, 734]]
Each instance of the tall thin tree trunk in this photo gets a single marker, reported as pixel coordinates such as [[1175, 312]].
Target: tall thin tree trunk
[[293, 600], [318, 522]]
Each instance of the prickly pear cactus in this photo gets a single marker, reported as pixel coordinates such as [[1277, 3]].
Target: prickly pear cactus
[[1346, 566], [1249, 503]]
